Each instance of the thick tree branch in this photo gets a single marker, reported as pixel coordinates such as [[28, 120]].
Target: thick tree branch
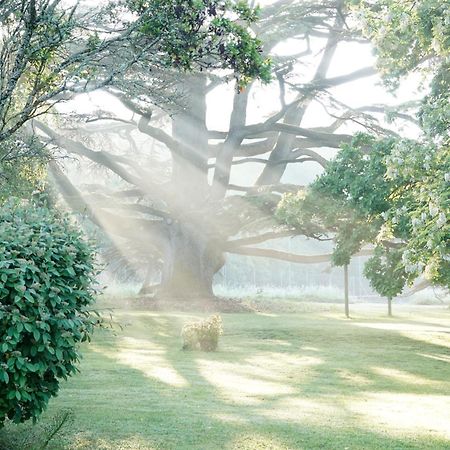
[[99, 157], [297, 156], [279, 188], [272, 174], [322, 139], [145, 186], [290, 257], [258, 239], [102, 200], [319, 84]]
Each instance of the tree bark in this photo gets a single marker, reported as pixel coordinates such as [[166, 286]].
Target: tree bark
[[190, 166], [192, 253], [389, 306], [347, 310], [191, 260]]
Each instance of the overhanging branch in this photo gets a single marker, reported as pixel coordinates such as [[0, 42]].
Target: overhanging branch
[[290, 257]]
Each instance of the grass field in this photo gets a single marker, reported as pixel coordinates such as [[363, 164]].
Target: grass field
[[307, 379]]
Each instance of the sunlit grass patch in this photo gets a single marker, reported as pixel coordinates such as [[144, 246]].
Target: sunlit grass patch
[[396, 414]]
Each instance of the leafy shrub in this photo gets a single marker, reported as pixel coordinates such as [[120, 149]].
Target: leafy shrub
[[203, 335], [47, 272]]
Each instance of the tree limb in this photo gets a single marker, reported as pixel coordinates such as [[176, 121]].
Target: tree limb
[[290, 257], [258, 239]]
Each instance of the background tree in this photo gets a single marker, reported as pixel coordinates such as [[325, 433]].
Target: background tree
[[393, 193], [420, 168]]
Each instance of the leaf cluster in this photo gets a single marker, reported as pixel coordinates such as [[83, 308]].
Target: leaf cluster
[[386, 272], [390, 193], [202, 34], [421, 175], [414, 36], [406, 34], [346, 200]]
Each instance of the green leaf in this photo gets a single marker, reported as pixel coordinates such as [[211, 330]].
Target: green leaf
[[36, 334], [4, 376]]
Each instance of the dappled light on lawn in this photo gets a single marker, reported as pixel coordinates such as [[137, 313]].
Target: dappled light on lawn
[[333, 385], [402, 376], [433, 337], [230, 418], [135, 443], [403, 327], [397, 414], [305, 411], [429, 332], [442, 358], [260, 377], [251, 441], [240, 388], [354, 379], [147, 357]]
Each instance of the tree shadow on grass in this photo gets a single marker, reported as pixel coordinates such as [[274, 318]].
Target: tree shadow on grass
[[291, 386]]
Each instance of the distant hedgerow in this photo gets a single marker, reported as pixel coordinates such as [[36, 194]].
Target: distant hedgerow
[[47, 273]]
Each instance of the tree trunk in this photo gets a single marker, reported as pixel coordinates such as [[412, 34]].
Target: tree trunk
[[347, 310], [389, 306], [193, 251], [190, 168], [190, 263]]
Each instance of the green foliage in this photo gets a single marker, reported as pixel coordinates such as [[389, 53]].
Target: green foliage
[[346, 200], [411, 36], [386, 272], [46, 49], [36, 436], [383, 192], [356, 182], [203, 335], [22, 166], [35, 65], [406, 34], [398, 189], [203, 34], [47, 272], [313, 360], [434, 115], [356, 175], [421, 177]]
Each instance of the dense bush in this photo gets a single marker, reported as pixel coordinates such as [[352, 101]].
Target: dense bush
[[203, 335], [47, 272]]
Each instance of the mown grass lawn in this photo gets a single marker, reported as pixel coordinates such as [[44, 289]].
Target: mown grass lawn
[[301, 380]]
